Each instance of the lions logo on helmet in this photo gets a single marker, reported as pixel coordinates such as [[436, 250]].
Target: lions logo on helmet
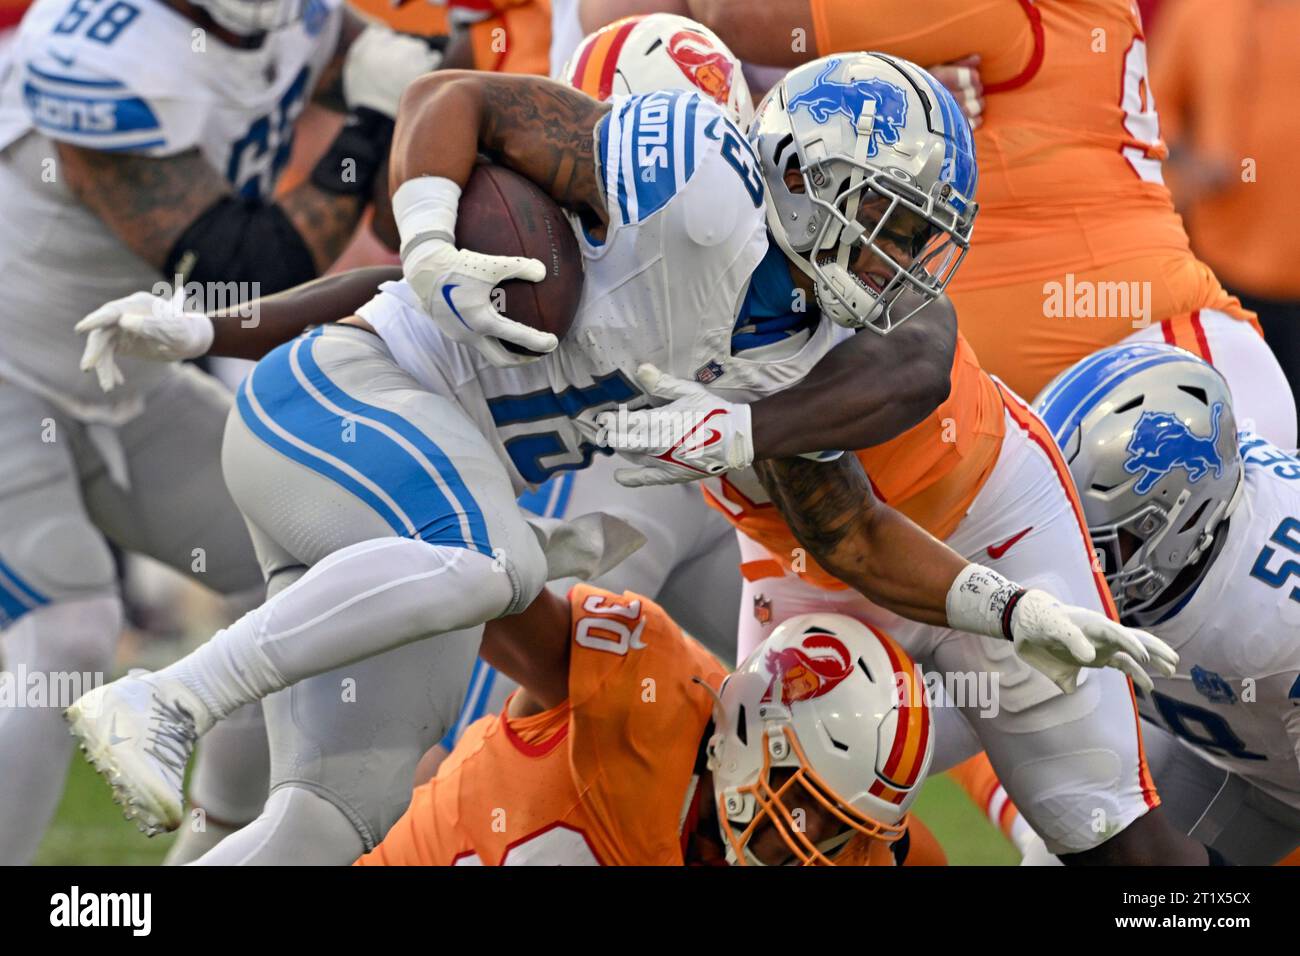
[[826, 97], [1161, 443], [1149, 435]]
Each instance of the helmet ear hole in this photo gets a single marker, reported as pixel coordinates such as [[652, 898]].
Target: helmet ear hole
[[1195, 517]]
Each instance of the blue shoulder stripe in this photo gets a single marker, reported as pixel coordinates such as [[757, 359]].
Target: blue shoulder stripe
[[58, 112], [75, 80], [648, 151]]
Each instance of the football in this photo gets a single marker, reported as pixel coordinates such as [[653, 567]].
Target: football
[[504, 214]]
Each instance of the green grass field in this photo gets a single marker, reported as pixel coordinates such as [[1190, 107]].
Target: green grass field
[[89, 830]]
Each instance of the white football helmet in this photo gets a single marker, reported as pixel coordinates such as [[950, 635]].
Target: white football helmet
[[866, 131], [826, 716], [251, 17], [1150, 437], [660, 51]]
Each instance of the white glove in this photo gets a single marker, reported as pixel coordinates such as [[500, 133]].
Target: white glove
[[455, 285], [1054, 638], [380, 64], [143, 325], [694, 436]]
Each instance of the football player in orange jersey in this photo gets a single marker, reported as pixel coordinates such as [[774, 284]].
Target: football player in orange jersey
[[1079, 246], [981, 472], [627, 744]]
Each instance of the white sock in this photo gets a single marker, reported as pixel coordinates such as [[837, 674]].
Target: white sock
[[360, 601]]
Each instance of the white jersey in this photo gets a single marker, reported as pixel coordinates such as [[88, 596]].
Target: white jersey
[[124, 76], [1236, 695], [686, 234], [566, 34]]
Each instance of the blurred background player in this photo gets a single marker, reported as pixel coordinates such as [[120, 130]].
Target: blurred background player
[[139, 141], [1079, 246], [627, 744], [1227, 73], [1198, 528]]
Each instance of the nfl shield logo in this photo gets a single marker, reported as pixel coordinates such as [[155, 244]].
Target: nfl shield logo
[[709, 372], [762, 610]]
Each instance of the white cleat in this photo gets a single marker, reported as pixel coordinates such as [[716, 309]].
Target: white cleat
[[139, 732]]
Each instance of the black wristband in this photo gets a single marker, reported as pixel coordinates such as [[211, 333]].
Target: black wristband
[[1006, 613], [355, 158]]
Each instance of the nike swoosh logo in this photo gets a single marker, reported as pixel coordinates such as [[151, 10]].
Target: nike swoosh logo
[[113, 738], [715, 436], [711, 130], [65, 60], [681, 448], [446, 295], [997, 550]]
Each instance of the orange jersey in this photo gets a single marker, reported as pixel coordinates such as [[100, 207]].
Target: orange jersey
[[515, 38], [506, 36], [1227, 72], [417, 17], [1070, 172], [931, 473], [602, 778]]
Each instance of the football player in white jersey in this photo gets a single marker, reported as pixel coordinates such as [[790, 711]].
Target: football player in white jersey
[[140, 139], [377, 460], [1197, 526], [689, 549]]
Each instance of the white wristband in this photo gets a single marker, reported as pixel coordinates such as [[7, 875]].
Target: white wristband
[[423, 207], [980, 601]]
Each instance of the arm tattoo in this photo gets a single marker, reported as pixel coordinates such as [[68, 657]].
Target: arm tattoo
[[825, 503], [147, 202], [545, 131], [326, 221]]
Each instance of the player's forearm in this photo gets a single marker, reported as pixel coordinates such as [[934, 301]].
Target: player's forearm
[[869, 546], [845, 416], [765, 32], [251, 330], [326, 221], [540, 129], [439, 129], [866, 391]]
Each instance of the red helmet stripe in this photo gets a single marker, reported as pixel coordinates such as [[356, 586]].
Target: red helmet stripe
[[913, 728], [611, 58]]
